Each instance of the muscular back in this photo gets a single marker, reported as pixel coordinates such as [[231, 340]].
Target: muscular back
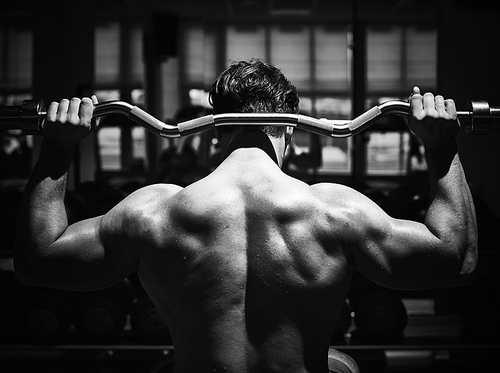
[[247, 268]]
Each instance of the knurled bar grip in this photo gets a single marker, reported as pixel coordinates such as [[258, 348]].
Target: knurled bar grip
[[28, 117], [369, 116]]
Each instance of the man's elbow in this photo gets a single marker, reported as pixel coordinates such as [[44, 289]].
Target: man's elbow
[[468, 266], [469, 263]]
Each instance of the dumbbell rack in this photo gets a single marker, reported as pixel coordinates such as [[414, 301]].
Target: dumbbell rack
[[447, 349]]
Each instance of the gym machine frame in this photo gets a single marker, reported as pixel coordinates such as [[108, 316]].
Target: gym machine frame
[[29, 116]]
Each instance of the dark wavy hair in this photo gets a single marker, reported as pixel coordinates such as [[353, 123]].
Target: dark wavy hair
[[254, 87]]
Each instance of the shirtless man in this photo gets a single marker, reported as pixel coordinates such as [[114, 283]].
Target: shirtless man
[[248, 266]]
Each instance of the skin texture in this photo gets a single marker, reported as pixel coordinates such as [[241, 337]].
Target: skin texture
[[248, 266]]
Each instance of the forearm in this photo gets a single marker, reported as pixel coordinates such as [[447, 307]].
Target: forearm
[[42, 213], [451, 215]]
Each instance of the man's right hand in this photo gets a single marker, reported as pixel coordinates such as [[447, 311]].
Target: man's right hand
[[433, 119], [68, 122]]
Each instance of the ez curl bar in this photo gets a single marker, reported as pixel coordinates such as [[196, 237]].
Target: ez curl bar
[[28, 117]]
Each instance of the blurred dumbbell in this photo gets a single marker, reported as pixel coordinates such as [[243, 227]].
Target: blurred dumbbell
[[11, 294], [380, 317], [45, 317], [479, 305], [147, 323], [10, 199], [379, 314], [100, 316]]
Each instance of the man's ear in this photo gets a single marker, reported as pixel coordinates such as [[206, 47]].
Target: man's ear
[[288, 135]]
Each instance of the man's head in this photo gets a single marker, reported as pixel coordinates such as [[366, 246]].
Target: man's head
[[254, 87]]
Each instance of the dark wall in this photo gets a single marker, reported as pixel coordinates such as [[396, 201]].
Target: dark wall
[[469, 68], [63, 49], [63, 60]]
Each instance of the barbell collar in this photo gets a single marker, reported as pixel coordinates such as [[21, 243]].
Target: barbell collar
[[480, 117], [31, 116]]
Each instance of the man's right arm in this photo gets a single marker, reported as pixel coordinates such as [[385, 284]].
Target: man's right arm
[[451, 214], [441, 252]]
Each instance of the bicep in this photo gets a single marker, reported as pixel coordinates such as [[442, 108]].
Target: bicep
[[404, 254], [102, 251], [392, 252], [80, 259], [398, 254], [99, 252]]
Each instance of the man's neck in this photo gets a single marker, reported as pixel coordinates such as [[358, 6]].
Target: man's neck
[[250, 139]]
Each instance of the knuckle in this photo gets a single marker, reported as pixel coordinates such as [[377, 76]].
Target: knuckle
[[84, 122]]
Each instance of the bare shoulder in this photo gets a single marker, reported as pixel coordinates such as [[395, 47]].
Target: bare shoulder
[[339, 194], [141, 210], [352, 206], [151, 194]]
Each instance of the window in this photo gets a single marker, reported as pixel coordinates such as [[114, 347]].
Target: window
[[16, 59], [109, 140], [387, 153], [331, 59], [244, 43], [122, 146], [289, 50], [107, 53], [119, 75], [194, 54], [317, 59], [314, 58], [384, 66], [16, 51], [398, 58], [421, 57]]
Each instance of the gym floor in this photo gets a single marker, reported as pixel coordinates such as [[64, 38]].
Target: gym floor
[[428, 358], [431, 343]]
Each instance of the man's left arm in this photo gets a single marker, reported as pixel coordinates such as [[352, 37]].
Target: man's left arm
[[48, 252]]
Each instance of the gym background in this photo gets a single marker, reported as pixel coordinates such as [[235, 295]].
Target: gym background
[[344, 56]]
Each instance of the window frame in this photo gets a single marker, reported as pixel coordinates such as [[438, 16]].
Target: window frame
[[314, 92]]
